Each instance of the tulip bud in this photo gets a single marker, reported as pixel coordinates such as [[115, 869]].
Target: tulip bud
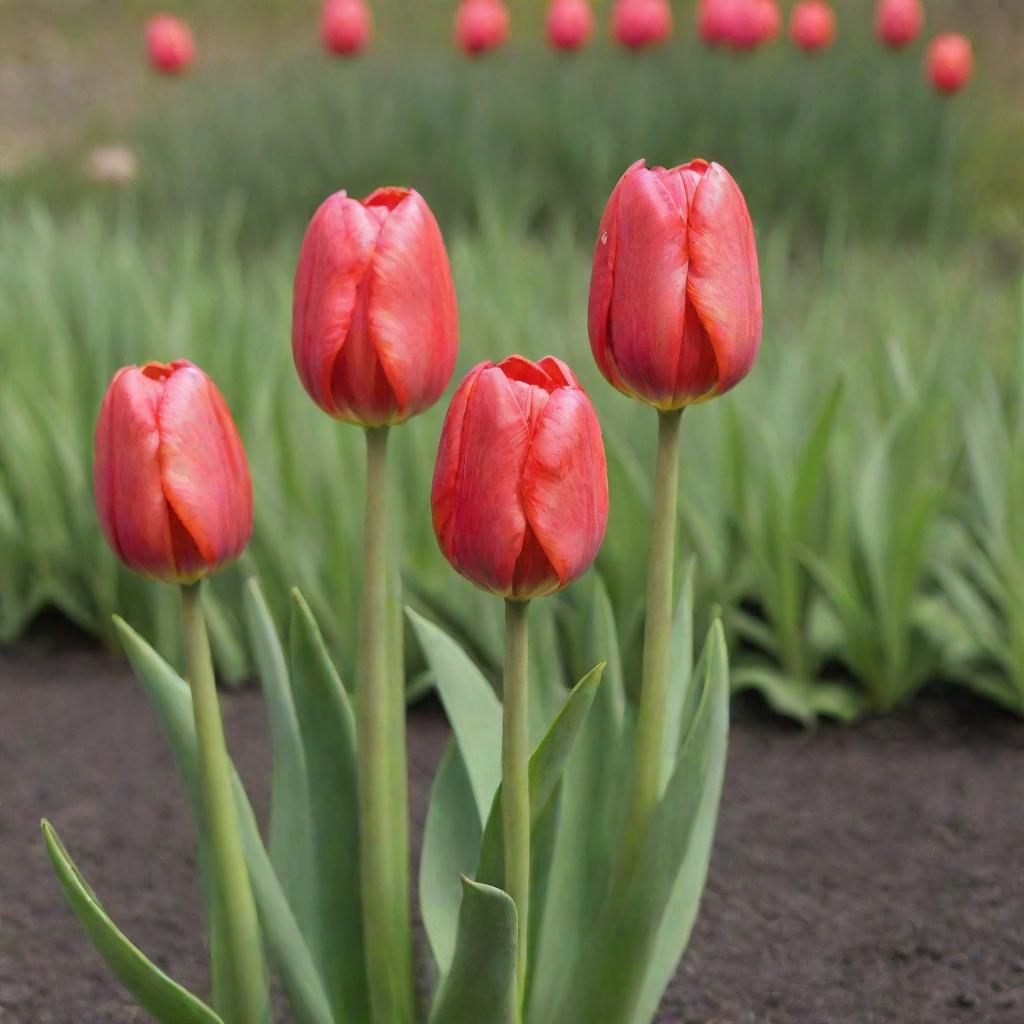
[[374, 323], [640, 23], [950, 62], [481, 25], [169, 44], [675, 296], [171, 480], [520, 492], [570, 24], [812, 25], [899, 22], [767, 20], [346, 26]]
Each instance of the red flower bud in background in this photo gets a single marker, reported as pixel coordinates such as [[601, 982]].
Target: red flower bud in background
[[169, 44], [374, 323], [570, 24], [812, 25], [481, 25], [675, 295], [520, 492], [740, 24], [346, 26], [640, 23], [171, 480], [950, 62], [768, 20], [899, 22]]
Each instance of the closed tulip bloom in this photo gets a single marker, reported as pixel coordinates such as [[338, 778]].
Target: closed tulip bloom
[[374, 322], [481, 25], [520, 492], [950, 62], [640, 23], [767, 19], [169, 44], [675, 295], [570, 24], [899, 22], [171, 480], [346, 26], [812, 25]]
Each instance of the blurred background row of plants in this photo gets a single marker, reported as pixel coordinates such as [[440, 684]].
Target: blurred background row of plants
[[856, 508]]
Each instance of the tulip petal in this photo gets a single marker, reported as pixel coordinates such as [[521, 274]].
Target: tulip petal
[[649, 282], [565, 484], [486, 525], [411, 308], [723, 284], [204, 470], [129, 497], [333, 262]]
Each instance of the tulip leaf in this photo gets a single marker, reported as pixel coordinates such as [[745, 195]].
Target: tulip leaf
[[471, 706], [546, 764], [154, 991], [451, 847], [481, 985], [329, 739], [623, 946], [171, 698], [290, 839], [590, 806]]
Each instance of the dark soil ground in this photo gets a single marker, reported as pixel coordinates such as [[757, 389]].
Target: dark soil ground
[[870, 875]]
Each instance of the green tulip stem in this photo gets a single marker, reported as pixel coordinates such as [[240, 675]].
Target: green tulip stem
[[650, 726], [381, 755], [231, 877], [515, 776]]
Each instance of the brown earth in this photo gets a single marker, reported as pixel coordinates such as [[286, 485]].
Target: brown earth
[[869, 875]]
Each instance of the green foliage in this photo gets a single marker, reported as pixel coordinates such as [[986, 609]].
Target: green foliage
[[167, 1001]]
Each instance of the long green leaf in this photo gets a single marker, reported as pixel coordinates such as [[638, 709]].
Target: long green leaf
[[481, 986], [171, 698], [155, 992], [329, 740], [472, 708], [290, 838]]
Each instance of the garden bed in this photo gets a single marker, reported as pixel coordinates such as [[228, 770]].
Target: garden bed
[[868, 875]]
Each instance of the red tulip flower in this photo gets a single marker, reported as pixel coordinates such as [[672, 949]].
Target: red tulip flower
[[172, 483], [950, 62], [899, 22], [169, 44], [675, 294], [767, 20], [812, 25], [570, 24], [374, 322], [520, 492], [640, 23], [346, 26], [481, 25]]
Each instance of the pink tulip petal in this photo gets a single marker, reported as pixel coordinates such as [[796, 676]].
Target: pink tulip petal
[[129, 497], [334, 259], [565, 484], [204, 470], [412, 313], [723, 283]]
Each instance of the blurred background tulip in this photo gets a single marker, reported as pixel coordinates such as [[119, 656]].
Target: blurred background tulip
[[481, 25], [640, 23], [570, 24], [950, 62], [899, 22], [520, 490], [675, 294], [171, 480], [346, 27], [374, 326], [812, 25], [169, 44]]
